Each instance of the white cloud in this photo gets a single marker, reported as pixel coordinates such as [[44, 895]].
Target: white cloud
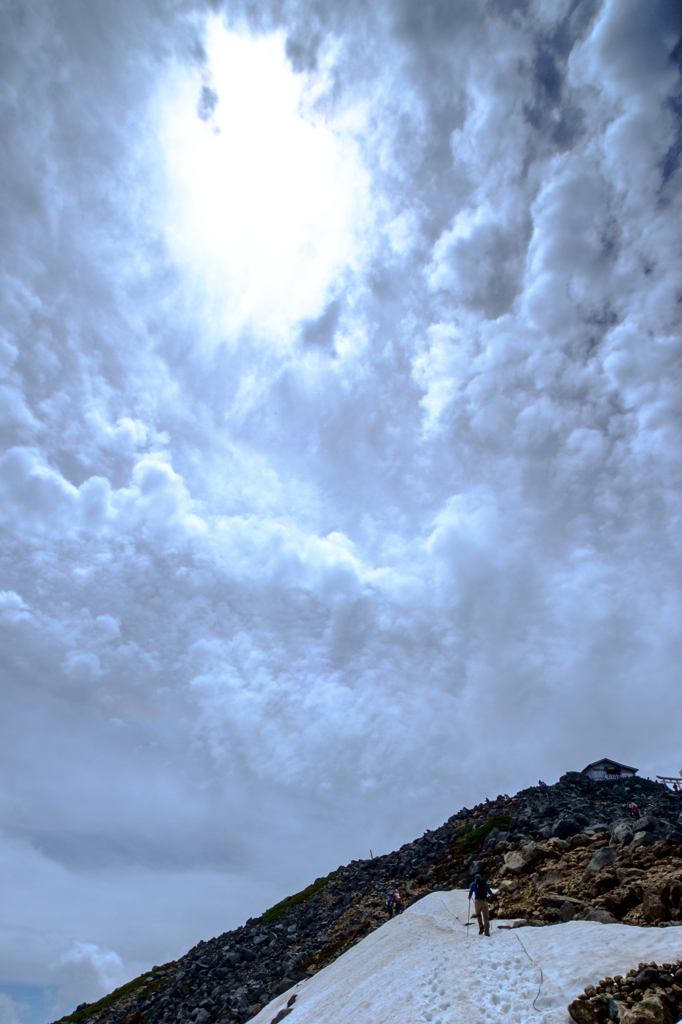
[[11, 1010], [266, 204], [85, 968]]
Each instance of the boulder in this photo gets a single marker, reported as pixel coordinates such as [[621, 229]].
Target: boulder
[[495, 837], [622, 833], [600, 859], [645, 824], [628, 874], [645, 977], [651, 1010], [566, 827], [584, 1011], [616, 1008], [672, 892], [641, 839], [653, 907], [518, 860], [620, 900], [550, 876], [514, 861], [508, 885], [604, 881], [598, 916], [567, 911]]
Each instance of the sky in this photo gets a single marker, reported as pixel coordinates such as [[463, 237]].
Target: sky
[[340, 471]]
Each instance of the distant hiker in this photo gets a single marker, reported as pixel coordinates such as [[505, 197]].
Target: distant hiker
[[389, 905], [541, 783], [398, 904], [480, 890], [633, 809]]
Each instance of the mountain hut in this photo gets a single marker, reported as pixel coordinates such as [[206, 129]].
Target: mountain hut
[[600, 771]]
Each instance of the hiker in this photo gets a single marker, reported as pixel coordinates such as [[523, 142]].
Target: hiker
[[633, 809], [389, 905], [541, 783], [398, 902], [480, 890]]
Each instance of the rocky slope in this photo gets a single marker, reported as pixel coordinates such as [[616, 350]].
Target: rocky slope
[[648, 994], [554, 852]]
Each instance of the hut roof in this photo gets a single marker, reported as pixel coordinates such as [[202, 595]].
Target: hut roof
[[608, 763]]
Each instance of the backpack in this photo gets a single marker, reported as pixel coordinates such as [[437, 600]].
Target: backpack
[[480, 889]]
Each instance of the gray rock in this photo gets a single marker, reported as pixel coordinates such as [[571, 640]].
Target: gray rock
[[518, 860], [601, 859], [493, 839], [645, 824], [567, 911], [645, 977], [616, 1008], [641, 839], [598, 916], [652, 905], [651, 1010], [566, 827], [621, 833]]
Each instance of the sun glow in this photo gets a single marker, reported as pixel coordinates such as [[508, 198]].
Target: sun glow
[[268, 207]]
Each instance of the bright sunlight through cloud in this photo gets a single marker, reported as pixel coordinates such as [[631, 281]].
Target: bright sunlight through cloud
[[269, 204]]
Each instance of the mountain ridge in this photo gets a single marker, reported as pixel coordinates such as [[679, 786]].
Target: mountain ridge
[[554, 852]]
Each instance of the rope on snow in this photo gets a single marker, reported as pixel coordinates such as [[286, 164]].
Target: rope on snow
[[542, 977]]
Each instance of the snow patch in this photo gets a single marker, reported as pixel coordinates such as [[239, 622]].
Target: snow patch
[[424, 968]]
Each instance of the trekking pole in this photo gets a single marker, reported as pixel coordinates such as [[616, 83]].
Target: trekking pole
[[468, 916]]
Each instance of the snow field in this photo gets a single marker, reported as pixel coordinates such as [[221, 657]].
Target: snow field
[[423, 968]]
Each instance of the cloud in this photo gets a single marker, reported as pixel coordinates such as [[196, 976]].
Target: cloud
[[85, 968], [350, 499], [11, 1011]]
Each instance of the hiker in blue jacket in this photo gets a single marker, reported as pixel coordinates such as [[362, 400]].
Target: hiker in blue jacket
[[480, 890]]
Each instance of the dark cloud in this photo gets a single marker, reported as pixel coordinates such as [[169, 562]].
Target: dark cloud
[[302, 52], [435, 21], [321, 331], [554, 112], [208, 101]]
